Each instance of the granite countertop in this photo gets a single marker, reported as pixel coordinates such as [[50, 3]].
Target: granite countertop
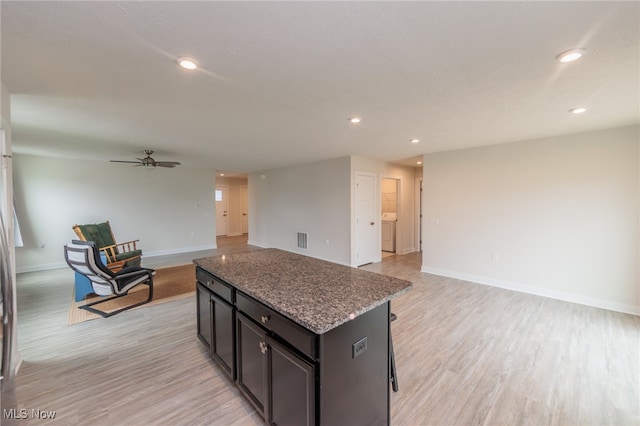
[[316, 294]]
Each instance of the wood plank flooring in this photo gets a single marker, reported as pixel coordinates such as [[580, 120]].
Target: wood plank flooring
[[467, 354]]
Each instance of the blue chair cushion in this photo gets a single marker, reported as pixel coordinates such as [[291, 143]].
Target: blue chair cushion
[[83, 285]]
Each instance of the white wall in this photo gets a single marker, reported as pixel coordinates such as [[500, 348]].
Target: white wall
[[558, 217], [405, 228], [389, 196], [168, 210], [312, 198]]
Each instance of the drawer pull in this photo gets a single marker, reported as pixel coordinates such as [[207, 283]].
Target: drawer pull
[[265, 318], [263, 347]]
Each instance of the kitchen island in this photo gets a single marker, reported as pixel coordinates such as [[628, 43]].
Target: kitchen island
[[305, 340]]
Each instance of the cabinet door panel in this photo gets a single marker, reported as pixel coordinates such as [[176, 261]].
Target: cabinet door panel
[[222, 349], [204, 316], [251, 362], [291, 387]]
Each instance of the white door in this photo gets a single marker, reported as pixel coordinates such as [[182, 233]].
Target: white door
[[245, 210], [222, 207], [367, 218]]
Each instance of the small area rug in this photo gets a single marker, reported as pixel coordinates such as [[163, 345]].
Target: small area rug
[[174, 283]]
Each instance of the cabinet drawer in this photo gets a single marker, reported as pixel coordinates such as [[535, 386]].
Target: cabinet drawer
[[294, 334], [220, 288]]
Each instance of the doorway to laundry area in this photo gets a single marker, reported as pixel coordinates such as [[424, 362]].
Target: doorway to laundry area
[[390, 190]]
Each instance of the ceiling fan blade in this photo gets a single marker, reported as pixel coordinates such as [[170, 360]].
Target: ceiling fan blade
[[121, 161], [167, 163]]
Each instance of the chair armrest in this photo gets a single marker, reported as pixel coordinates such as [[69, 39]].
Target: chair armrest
[[127, 246], [134, 271], [110, 252]]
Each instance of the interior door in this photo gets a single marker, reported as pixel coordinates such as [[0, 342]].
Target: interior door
[[367, 219], [245, 209], [222, 208]]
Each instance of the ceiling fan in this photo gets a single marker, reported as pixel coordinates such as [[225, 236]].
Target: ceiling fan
[[149, 162]]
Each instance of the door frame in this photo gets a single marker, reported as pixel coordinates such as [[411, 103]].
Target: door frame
[[399, 221], [376, 206], [244, 209], [418, 213], [225, 200]]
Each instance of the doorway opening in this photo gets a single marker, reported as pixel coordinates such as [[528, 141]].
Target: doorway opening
[[222, 207], [390, 213], [232, 210]]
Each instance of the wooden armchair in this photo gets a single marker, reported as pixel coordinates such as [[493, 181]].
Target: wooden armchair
[[118, 254]]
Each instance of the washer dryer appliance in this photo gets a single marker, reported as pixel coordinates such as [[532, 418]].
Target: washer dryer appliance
[[389, 232]]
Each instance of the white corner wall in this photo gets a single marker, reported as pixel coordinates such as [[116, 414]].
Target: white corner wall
[[168, 210], [312, 198], [558, 217]]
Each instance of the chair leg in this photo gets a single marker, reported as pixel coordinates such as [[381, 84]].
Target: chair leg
[[394, 373], [89, 306]]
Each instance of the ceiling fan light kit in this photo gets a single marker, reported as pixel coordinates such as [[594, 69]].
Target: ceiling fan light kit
[[149, 162]]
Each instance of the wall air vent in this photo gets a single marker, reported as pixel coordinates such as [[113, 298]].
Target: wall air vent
[[302, 240]]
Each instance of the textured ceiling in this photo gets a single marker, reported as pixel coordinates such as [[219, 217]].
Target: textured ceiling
[[278, 80]]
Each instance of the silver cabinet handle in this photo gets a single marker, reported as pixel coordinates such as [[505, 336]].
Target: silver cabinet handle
[[265, 318], [263, 347]]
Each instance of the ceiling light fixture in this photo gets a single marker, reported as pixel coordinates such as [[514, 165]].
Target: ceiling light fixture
[[187, 63], [415, 140], [355, 120], [419, 162], [570, 55], [578, 110]]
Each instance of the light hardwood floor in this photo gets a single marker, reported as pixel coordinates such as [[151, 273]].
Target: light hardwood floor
[[467, 354]]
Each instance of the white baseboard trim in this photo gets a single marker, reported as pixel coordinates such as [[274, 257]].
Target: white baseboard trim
[[538, 291], [178, 251], [407, 251], [42, 267], [60, 265], [257, 244]]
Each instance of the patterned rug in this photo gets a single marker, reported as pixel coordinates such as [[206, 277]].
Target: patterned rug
[[176, 282]]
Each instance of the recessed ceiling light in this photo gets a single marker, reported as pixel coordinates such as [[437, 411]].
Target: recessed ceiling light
[[415, 140], [578, 110], [570, 55], [419, 162], [355, 119], [187, 63]]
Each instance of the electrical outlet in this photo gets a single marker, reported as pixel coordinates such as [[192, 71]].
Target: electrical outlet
[[359, 347]]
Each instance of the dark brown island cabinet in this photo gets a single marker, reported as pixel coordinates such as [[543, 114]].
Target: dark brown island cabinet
[[305, 340]]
